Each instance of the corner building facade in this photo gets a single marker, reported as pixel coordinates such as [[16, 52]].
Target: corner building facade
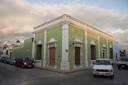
[[67, 43]]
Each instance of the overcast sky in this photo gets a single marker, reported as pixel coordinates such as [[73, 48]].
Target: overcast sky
[[18, 17]]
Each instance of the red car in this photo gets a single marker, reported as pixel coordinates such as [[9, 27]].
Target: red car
[[24, 62]]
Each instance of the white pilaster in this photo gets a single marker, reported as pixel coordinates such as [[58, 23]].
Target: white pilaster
[[65, 38], [33, 46], [113, 52], [99, 45], [107, 49], [86, 46], [44, 60]]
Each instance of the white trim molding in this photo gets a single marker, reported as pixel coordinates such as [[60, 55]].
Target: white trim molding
[[99, 45], [110, 46], [104, 46], [86, 46], [33, 47], [65, 43], [92, 43], [52, 43], [78, 41], [107, 50], [81, 57], [72, 21], [39, 43], [44, 60]]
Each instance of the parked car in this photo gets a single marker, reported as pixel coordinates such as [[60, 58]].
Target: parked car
[[103, 67], [122, 63], [24, 62], [3, 58], [12, 61], [6, 60]]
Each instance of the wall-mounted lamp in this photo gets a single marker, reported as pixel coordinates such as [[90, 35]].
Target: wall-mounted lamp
[[72, 44], [66, 50], [33, 39]]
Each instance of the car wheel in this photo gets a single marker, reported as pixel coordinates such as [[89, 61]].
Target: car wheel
[[94, 75], [112, 76], [118, 67], [22, 66], [13, 64]]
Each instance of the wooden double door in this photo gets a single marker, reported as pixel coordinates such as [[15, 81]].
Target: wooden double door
[[39, 52], [93, 52], [52, 54], [77, 55]]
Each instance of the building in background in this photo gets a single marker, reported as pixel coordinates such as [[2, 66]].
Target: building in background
[[124, 51], [4, 48], [117, 50], [23, 51], [9, 45], [1, 48], [66, 43]]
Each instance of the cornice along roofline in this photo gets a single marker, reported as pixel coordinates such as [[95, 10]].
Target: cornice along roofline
[[72, 21]]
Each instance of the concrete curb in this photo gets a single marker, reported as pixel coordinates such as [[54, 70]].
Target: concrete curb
[[63, 72]]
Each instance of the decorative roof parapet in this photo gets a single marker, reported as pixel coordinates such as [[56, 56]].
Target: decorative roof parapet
[[72, 21]]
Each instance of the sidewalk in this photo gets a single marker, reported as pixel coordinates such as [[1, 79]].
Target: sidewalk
[[63, 71]]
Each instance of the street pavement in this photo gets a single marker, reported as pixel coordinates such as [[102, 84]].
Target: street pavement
[[11, 75]]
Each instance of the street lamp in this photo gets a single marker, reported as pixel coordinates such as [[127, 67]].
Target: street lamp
[[33, 39]]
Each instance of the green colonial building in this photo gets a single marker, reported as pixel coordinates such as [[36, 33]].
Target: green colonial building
[[66, 43]]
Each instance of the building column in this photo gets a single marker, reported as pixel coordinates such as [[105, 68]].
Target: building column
[[65, 41], [44, 60], [113, 52], [99, 45], [86, 46], [107, 49], [33, 46]]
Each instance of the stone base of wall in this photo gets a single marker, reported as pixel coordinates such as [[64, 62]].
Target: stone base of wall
[[44, 63], [64, 65], [37, 63]]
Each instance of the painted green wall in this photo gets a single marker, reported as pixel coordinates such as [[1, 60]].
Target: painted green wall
[[91, 37], [25, 51], [110, 43], [28, 48], [73, 34], [103, 41], [55, 33], [39, 36], [18, 52]]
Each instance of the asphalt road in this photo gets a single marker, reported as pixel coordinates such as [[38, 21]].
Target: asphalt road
[[10, 75]]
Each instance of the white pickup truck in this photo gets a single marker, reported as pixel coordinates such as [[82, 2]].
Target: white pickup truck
[[103, 67]]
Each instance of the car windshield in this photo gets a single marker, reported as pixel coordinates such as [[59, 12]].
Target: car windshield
[[124, 59], [8, 58], [26, 59], [4, 57], [102, 62]]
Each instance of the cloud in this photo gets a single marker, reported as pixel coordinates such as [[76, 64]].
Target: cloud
[[17, 18], [121, 36]]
